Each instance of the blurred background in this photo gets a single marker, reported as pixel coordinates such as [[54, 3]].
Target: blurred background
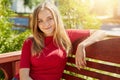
[[107, 11]]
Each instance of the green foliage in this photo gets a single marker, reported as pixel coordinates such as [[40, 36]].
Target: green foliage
[[91, 22], [1, 75], [76, 14], [31, 3], [10, 40], [5, 8], [5, 13]]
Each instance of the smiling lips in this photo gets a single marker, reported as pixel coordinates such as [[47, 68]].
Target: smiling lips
[[48, 28]]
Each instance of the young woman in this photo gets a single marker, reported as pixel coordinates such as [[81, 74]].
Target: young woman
[[45, 54]]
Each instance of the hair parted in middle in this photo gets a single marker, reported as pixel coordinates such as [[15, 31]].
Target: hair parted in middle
[[60, 36]]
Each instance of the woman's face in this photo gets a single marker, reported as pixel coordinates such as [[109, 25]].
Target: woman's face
[[46, 22]]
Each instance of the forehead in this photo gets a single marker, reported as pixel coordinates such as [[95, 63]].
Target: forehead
[[44, 13]]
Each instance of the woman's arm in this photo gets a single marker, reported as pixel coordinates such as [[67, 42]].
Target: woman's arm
[[25, 60], [24, 74], [80, 52]]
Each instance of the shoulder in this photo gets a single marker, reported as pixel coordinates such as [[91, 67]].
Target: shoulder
[[29, 40]]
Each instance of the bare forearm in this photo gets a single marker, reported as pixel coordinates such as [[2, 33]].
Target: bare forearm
[[80, 52], [24, 74], [95, 37]]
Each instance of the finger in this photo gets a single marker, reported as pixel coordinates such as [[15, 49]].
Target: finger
[[84, 61], [79, 64]]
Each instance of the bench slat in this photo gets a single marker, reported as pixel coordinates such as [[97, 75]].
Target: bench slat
[[90, 74], [69, 77], [9, 57], [104, 67]]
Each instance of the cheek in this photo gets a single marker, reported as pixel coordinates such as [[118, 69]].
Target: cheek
[[53, 24], [40, 27]]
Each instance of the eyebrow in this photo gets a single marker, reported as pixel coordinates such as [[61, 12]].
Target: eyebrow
[[50, 16]]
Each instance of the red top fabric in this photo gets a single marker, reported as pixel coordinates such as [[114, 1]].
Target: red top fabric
[[50, 64]]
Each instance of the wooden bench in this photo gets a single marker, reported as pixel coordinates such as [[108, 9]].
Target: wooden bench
[[103, 62], [9, 64]]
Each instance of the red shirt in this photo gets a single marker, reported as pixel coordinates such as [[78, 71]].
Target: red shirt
[[50, 64]]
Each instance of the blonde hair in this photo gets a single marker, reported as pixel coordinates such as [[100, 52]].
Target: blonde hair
[[60, 36]]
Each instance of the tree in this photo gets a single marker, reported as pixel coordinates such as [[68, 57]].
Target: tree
[[76, 14], [31, 3], [10, 40]]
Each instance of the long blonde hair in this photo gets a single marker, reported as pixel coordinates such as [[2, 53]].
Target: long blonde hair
[[60, 36]]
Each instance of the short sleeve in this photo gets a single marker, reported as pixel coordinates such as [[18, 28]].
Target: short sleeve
[[26, 54], [75, 34]]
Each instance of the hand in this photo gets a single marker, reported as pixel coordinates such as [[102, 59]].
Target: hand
[[80, 57]]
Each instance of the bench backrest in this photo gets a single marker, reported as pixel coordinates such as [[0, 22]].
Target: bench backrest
[[103, 62]]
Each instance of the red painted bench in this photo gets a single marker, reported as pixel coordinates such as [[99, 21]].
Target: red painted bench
[[103, 62], [9, 64]]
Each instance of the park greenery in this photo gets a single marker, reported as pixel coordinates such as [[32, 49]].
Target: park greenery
[[76, 14], [10, 40]]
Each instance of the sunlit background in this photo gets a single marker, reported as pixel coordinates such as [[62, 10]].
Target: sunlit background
[[110, 8], [99, 7], [103, 9]]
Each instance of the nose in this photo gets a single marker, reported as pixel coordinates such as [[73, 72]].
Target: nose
[[46, 24]]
